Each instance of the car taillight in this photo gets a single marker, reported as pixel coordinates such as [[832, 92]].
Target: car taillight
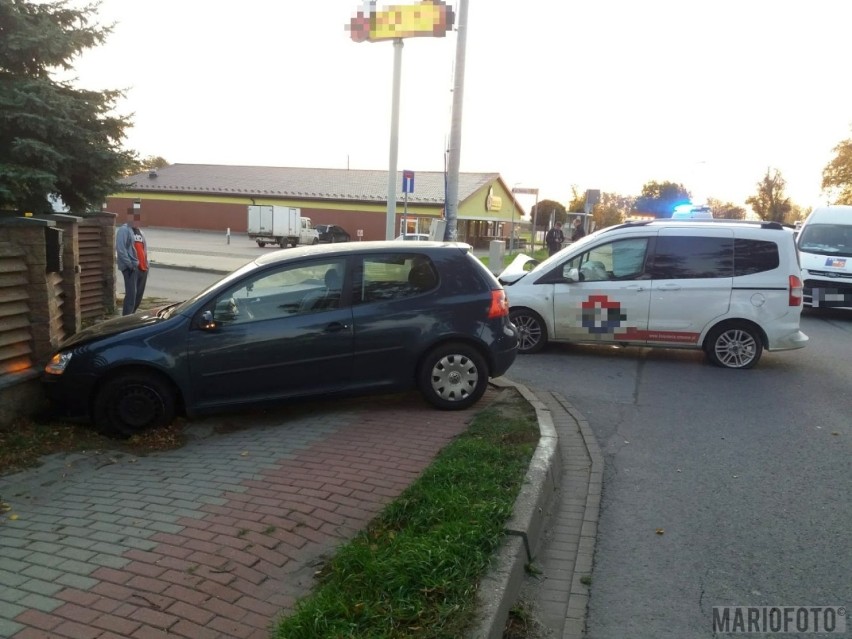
[[499, 304], [796, 289]]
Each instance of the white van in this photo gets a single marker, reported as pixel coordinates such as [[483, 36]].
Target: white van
[[730, 288], [825, 249]]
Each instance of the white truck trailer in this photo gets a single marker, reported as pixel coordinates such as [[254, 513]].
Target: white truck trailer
[[281, 225]]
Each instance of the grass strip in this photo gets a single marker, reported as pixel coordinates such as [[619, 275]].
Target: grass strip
[[414, 572]]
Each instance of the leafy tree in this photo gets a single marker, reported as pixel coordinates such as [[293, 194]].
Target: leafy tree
[[660, 198], [837, 175], [146, 164], [770, 203], [612, 209], [543, 210], [726, 210], [578, 201], [55, 140]]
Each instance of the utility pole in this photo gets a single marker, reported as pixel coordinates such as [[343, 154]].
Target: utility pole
[[390, 232], [451, 206]]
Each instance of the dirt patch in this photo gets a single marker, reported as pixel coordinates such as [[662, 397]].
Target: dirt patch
[[26, 441]]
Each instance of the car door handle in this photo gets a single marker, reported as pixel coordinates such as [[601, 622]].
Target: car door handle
[[336, 327], [635, 287]]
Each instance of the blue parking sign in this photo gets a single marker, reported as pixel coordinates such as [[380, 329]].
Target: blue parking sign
[[408, 181]]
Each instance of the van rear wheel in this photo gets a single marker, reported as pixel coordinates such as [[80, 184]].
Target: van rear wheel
[[734, 345]]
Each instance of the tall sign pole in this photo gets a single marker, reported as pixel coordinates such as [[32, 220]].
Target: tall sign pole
[[451, 206], [427, 18], [394, 140]]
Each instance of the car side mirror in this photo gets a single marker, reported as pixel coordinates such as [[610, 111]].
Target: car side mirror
[[573, 275], [207, 322]]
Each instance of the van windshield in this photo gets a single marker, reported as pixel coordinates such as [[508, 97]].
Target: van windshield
[[826, 239]]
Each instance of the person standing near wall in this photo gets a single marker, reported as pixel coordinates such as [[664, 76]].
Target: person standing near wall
[[131, 252]]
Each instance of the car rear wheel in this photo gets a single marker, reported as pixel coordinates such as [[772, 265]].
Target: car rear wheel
[[734, 345], [132, 402], [453, 376], [532, 333]]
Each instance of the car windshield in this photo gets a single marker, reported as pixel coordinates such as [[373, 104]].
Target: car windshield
[[831, 239], [558, 256], [222, 282]]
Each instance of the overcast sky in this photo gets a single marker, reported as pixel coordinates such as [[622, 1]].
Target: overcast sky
[[596, 94]]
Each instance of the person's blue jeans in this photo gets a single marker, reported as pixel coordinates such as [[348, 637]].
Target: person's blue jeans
[[134, 289]]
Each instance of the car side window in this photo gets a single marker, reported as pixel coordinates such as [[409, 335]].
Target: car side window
[[619, 260], [692, 257], [394, 276], [290, 290]]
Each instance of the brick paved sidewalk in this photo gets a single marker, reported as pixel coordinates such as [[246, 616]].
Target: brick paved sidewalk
[[213, 540]]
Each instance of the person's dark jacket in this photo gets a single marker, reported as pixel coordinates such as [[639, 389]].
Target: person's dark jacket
[[554, 239]]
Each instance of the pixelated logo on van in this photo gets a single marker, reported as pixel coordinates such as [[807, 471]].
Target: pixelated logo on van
[[601, 315]]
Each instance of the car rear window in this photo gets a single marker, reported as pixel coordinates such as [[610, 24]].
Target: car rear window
[[755, 256]]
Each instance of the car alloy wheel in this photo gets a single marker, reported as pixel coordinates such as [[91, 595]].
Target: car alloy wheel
[[734, 345], [532, 334]]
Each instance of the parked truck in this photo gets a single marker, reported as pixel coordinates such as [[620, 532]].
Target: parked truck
[[281, 225]]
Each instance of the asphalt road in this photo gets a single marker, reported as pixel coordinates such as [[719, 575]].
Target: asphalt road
[[721, 487]]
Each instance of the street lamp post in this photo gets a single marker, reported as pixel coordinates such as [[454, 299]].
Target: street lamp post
[[525, 191]]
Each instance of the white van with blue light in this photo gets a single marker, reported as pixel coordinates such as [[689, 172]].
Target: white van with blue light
[[730, 288], [825, 250]]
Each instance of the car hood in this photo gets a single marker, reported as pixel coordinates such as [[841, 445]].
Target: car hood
[[119, 325], [516, 269]]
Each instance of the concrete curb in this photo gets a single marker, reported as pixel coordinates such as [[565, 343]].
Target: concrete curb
[[184, 267], [500, 588]]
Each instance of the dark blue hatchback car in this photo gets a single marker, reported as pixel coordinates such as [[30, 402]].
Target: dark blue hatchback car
[[351, 318]]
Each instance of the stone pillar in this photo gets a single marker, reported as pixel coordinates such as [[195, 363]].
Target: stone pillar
[[71, 317]]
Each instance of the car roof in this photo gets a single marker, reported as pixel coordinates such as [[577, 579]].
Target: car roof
[[354, 248], [706, 223]]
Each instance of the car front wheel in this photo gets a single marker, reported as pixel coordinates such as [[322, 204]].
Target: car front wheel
[[453, 376], [132, 402], [532, 333], [734, 345]]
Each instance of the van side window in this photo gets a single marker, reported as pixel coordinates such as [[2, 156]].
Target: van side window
[[619, 260], [692, 257], [755, 256]]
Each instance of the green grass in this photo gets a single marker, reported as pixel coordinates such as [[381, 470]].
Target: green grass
[[413, 573]]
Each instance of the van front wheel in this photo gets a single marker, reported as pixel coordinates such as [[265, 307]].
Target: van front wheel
[[734, 345], [532, 332]]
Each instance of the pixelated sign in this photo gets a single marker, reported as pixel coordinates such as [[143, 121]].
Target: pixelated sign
[[428, 18]]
